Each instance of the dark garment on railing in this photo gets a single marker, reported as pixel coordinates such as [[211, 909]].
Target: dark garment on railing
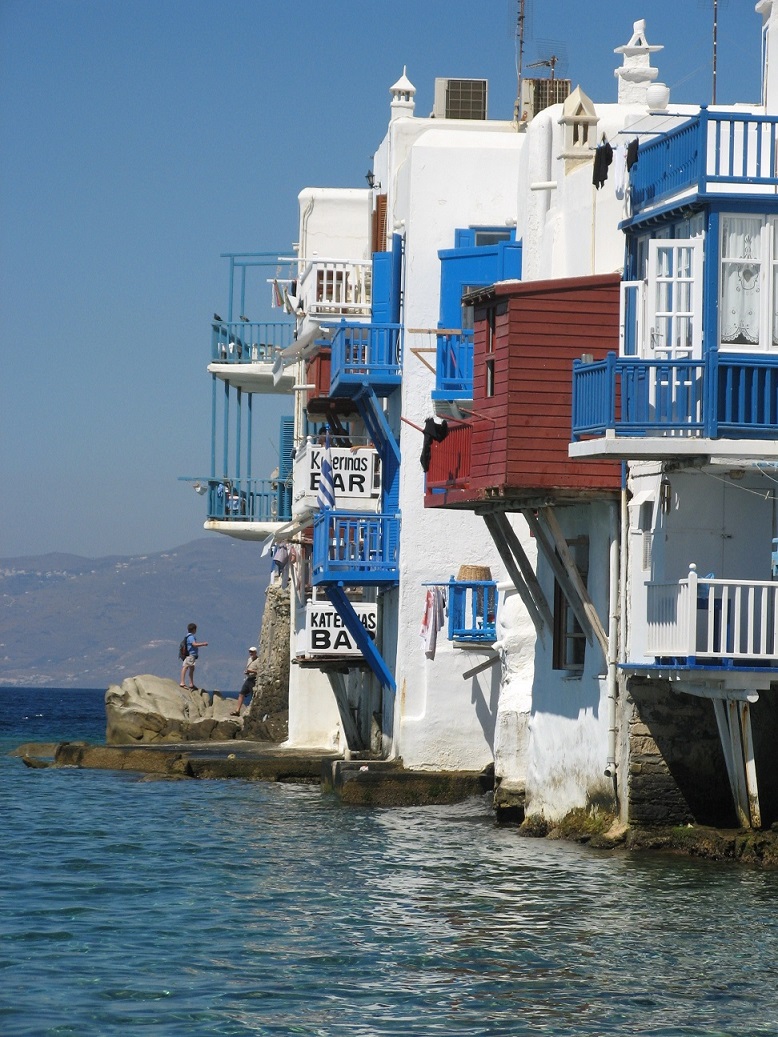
[[603, 156], [632, 153], [436, 431]]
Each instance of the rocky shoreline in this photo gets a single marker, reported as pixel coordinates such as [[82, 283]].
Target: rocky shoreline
[[373, 783]]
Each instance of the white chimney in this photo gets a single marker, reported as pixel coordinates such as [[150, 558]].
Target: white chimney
[[636, 73], [402, 97]]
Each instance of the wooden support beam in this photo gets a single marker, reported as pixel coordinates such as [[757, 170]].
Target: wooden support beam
[[350, 731], [548, 549], [485, 665], [580, 601], [527, 570], [509, 561], [752, 790]]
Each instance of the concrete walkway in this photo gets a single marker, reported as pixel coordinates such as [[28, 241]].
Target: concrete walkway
[[363, 781]]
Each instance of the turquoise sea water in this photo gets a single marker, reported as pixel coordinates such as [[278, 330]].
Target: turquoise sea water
[[162, 907]]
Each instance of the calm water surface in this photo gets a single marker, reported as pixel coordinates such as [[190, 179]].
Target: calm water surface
[[140, 906]]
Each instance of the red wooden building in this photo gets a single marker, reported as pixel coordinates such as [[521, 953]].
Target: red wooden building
[[514, 447]]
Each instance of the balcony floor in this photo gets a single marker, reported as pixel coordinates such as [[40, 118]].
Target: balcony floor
[[657, 448], [244, 530], [707, 681], [254, 376]]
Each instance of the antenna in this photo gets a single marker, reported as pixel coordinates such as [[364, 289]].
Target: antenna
[[715, 38], [520, 28], [546, 63]]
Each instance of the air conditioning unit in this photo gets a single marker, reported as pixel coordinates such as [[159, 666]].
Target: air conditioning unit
[[537, 94], [460, 99]]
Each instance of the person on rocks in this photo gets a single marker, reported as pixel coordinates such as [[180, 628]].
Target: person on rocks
[[192, 647], [280, 562], [247, 688]]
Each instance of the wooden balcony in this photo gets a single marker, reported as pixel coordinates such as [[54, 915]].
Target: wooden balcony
[[355, 549], [710, 155], [333, 288], [365, 354], [453, 367], [472, 611], [708, 622], [676, 406], [243, 353], [448, 477]]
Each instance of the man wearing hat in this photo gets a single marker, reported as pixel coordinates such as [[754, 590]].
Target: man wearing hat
[[247, 689]]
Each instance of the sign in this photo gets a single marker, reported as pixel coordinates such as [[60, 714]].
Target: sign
[[325, 633], [356, 478], [352, 471]]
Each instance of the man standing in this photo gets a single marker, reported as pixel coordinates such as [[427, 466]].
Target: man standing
[[247, 688], [192, 646]]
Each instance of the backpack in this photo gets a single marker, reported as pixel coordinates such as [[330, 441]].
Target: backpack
[[183, 648]]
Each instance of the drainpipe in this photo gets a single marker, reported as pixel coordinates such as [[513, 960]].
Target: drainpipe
[[613, 630]]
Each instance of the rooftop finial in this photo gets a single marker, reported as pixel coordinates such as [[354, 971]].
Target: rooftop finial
[[636, 73]]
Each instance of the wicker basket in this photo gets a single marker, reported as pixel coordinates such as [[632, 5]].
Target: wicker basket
[[474, 572]]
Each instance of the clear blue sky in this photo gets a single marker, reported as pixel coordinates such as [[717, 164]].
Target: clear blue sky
[[139, 139]]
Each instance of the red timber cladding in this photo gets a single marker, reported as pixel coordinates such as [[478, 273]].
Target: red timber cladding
[[317, 373], [521, 433]]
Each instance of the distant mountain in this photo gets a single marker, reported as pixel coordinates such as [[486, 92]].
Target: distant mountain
[[79, 622]]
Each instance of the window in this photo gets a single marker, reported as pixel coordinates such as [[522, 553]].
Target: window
[[741, 278], [490, 236], [748, 289], [569, 648], [491, 323], [467, 322]]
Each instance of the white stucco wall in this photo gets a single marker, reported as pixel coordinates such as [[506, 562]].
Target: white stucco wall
[[448, 175], [335, 223], [568, 729]]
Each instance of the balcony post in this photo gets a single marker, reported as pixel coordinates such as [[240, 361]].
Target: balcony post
[[704, 125], [710, 394], [610, 389], [690, 614]]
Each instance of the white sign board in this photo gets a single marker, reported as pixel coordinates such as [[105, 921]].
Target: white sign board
[[355, 475], [325, 633]]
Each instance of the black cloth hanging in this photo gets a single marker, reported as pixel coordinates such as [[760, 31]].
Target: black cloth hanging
[[433, 431], [632, 154], [603, 157]]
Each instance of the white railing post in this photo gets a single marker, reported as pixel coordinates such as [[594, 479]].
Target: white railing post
[[690, 611]]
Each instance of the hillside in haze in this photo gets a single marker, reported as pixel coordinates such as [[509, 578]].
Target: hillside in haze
[[68, 621]]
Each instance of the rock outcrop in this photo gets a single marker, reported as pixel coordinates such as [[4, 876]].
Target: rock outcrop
[[148, 710], [268, 715]]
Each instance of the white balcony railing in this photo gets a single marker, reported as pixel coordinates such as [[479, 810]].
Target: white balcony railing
[[335, 288], [721, 622]]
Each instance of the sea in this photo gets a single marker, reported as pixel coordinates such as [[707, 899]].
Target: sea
[[136, 905]]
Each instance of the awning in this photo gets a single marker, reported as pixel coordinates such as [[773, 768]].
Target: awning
[[298, 349], [287, 531], [636, 502]]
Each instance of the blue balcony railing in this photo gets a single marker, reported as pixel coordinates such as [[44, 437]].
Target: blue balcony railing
[[354, 548], [454, 367], [472, 610], [722, 395], [249, 500], [715, 152], [235, 342], [365, 354]]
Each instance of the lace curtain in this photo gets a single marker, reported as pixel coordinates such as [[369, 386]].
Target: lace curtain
[[740, 280]]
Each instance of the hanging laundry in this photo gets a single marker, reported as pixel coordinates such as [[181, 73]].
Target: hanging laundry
[[603, 156], [432, 620], [278, 299], [620, 170], [632, 153], [434, 431]]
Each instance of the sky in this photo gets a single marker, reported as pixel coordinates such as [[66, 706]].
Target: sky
[[141, 139]]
